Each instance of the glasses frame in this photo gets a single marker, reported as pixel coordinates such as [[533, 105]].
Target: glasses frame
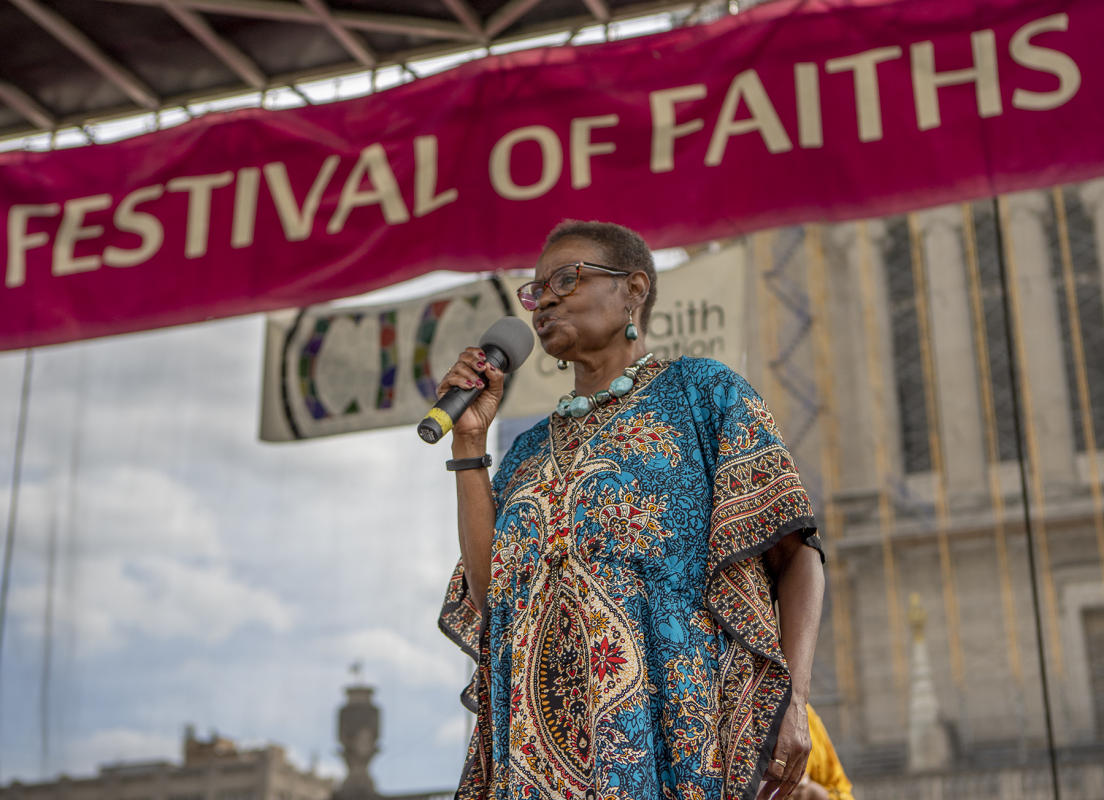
[[535, 289]]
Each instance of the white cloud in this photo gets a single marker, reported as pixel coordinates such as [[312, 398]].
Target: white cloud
[[124, 511], [454, 730], [142, 510], [382, 650], [156, 598], [140, 557]]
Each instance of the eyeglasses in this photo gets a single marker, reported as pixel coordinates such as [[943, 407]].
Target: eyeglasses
[[562, 282]]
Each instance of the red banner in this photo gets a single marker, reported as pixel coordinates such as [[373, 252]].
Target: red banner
[[794, 111]]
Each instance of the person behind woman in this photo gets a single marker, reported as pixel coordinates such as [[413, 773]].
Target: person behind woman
[[616, 578], [824, 776]]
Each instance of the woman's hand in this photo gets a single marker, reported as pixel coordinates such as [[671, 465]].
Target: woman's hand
[[792, 748], [799, 579], [472, 370]]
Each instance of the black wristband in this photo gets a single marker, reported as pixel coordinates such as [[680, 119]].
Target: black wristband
[[456, 464]]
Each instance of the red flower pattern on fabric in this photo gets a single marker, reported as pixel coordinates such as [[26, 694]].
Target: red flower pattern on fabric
[[606, 658]]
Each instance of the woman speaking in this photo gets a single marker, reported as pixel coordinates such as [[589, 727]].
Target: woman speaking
[[618, 577]]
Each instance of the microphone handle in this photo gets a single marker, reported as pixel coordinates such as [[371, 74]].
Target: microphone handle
[[455, 402]]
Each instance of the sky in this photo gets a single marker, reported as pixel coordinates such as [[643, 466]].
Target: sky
[[204, 577]]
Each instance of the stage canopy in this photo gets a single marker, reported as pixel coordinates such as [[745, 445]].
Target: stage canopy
[[64, 62]]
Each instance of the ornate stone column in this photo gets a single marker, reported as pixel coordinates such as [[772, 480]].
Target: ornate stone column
[[929, 747], [358, 728], [851, 379], [955, 380], [1040, 336]]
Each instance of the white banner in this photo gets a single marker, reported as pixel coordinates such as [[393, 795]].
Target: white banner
[[335, 370]]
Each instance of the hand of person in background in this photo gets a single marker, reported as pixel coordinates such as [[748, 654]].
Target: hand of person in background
[[809, 789]]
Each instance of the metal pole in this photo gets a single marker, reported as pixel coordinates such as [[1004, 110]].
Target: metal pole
[[1017, 420], [13, 504]]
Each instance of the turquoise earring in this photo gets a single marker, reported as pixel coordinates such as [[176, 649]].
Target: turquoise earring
[[631, 332]]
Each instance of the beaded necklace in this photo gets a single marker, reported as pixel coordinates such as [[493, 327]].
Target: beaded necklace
[[576, 405]]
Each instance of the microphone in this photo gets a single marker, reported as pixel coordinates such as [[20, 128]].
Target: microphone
[[506, 344]]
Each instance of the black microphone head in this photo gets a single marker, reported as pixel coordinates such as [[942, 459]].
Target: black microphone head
[[513, 337]]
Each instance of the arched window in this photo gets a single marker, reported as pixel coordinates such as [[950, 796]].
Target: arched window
[[908, 370], [992, 302]]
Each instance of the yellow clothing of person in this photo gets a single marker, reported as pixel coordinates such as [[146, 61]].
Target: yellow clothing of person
[[824, 766]]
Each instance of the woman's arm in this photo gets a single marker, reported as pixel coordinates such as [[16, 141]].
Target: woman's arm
[[474, 501], [799, 578], [475, 512]]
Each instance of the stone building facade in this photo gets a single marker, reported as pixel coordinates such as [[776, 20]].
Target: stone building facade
[[881, 347], [216, 769]]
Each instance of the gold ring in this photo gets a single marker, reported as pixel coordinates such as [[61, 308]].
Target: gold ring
[[779, 761]]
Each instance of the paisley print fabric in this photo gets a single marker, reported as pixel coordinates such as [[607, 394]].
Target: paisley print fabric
[[628, 649]]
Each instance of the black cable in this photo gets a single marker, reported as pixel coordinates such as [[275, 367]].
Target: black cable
[[1017, 421], [46, 674], [13, 504]]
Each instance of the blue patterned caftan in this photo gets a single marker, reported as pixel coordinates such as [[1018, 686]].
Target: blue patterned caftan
[[628, 648]]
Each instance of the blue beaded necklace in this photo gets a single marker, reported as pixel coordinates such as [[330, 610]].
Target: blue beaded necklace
[[575, 405]]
